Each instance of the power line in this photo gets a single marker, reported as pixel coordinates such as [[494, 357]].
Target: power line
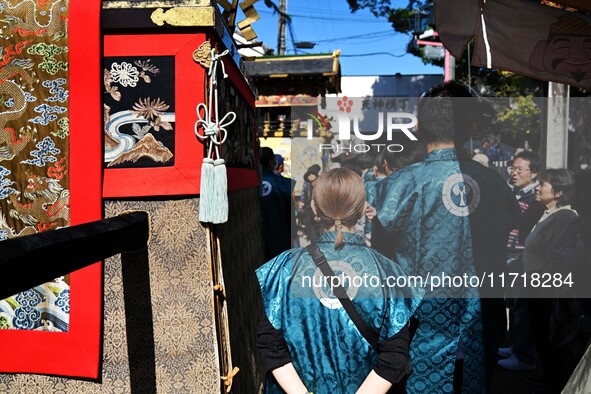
[[325, 11], [366, 42], [332, 13], [309, 9], [348, 20], [293, 41], [360, 37], [374, 54]]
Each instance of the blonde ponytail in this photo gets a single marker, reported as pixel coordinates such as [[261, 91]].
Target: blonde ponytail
[[339, 198], [340, 238]]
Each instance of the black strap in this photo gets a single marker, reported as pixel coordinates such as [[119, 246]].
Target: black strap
[[320, 260]]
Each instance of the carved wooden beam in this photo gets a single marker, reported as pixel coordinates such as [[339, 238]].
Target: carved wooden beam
[[252, 16]]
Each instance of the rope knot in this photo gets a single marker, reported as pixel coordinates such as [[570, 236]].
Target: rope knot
[[214, 129]]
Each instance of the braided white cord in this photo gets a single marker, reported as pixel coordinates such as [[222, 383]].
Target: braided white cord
[[213, 127]]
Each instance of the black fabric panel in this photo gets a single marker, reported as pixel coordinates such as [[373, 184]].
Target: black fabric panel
[[139, 321], [35, 259]]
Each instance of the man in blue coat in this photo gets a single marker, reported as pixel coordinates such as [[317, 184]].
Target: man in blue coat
[[276, 207], [449, 216]]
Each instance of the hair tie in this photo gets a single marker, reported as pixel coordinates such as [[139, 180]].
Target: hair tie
[[337, 224]]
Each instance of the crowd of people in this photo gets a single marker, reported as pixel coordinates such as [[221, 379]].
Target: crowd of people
[[429, 211]]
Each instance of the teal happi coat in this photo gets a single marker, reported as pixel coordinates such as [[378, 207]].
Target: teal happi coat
[[326, 349], [449, 215]]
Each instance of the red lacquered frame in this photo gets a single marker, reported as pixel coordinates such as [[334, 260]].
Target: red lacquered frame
[[184, 176], [190, 78], [74, 353]]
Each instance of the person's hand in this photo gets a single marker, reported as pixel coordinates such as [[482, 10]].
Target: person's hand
[[370, 212], [289, 380]]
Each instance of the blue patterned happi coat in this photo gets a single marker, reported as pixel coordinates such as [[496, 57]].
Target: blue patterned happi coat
[[448, 215], [326, 349]]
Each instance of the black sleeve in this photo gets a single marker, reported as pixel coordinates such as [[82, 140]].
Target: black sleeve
[[529, 219], [562, 250], [271, 345], [394, 358], [380, 239]]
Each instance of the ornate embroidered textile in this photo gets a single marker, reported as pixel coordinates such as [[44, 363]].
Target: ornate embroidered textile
[[50, 175], [34, 147]]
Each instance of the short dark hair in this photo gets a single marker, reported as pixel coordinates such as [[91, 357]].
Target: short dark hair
[[562, 181], [412, 153], [379, 162], [267, 155], [445, 113], [365, 160], [532, 157]]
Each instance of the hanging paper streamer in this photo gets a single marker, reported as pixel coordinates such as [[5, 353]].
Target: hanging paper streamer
[[213, 202]]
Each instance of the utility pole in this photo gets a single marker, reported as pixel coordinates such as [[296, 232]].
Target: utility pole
[[281, 30], [557, 125], [449, 68]]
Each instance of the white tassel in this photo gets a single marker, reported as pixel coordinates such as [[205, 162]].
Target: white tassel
[[213, 202], [219, 206], [206, 190]]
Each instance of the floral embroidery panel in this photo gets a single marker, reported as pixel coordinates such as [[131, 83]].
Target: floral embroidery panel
[[139, 111]]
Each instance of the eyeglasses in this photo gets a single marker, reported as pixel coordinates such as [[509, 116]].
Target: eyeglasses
[[518, 170]]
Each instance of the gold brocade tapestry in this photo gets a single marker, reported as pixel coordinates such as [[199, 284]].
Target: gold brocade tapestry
[[34, 147]]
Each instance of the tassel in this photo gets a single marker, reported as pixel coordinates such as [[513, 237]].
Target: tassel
[[207, 189], [213, 202], [219, 206]]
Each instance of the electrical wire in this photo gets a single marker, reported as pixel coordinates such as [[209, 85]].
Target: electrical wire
[[332, 13], [357, 36], [324, 11], [374, 54], [365, 42], [293, 41], [309, 10], [348, 20]]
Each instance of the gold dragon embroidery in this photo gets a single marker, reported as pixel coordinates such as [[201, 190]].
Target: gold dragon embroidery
[[12, 141], [44, 205], [27, 18]]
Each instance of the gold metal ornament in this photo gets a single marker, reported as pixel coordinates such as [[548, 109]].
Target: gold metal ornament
[[202, 55]]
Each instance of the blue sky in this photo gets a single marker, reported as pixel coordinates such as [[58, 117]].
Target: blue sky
[[331, 25]]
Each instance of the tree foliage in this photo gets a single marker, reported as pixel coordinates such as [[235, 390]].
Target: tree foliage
[[519, 117], [401, 17], [517, 110], [410, 16]]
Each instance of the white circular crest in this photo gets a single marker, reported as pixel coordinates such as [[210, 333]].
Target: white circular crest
[[267, 188], [345, 275], [460, 194]]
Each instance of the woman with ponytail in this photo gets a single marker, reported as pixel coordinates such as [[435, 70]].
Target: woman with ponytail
[[307, 340]]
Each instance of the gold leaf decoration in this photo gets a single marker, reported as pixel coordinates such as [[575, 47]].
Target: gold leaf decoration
[[202, 55]]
